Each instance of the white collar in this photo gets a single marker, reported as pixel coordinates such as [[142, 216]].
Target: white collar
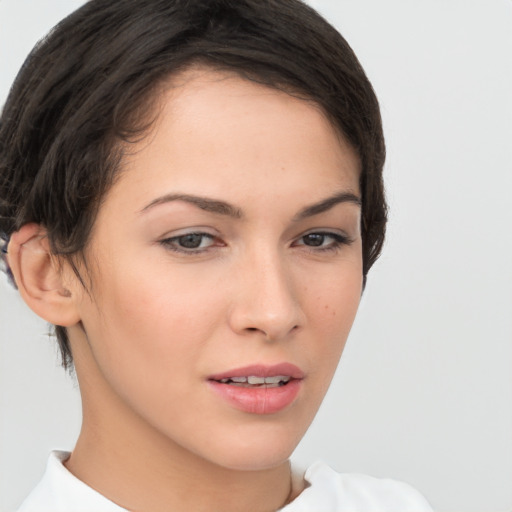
[[61, 491]]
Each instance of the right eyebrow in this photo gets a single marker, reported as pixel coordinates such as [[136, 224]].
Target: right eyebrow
[[204, 203]]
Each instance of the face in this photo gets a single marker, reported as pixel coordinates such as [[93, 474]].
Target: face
[[226, 271]]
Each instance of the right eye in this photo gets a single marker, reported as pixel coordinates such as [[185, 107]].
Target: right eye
[[189, 242]]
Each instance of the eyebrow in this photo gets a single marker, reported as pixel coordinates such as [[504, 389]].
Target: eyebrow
[[326, 204], [204, 203], [223, 208]]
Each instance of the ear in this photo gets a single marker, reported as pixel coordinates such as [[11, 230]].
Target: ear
[[39, 277]]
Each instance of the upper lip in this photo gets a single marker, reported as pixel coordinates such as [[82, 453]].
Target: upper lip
[[261, 370]]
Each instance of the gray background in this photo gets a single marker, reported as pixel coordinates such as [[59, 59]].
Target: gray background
[[424, 390]]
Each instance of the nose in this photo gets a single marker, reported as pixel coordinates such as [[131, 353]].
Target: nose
[[265, 301]]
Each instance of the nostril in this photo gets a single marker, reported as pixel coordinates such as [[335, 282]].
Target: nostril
[[270, 336]]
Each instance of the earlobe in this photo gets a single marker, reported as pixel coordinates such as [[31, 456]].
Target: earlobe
[[39, 277]]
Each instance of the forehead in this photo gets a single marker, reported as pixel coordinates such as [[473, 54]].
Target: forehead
[[214, 131]]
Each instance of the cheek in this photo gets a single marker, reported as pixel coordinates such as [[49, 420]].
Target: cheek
[[150, 331], [331, 314], [153, 319], [145, 344], [334, 298]]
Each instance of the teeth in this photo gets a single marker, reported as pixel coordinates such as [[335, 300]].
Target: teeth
[[257, 381], [277, 379], [240, 379]]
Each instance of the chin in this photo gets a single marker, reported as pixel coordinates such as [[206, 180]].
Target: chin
[[254, 460], [255, 449]]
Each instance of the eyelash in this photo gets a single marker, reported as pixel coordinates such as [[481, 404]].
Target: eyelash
[[339, 240]]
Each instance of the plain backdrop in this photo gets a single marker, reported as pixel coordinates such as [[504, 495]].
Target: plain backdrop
[[424, 390]]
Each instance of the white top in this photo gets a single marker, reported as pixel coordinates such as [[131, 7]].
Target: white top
[[328, 491]]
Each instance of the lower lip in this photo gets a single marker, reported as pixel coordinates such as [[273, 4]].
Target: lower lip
[[258, 400]]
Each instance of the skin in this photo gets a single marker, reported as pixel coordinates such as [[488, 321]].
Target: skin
[[157, 321]]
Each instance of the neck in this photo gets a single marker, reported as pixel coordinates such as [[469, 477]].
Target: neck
[[140, 479]]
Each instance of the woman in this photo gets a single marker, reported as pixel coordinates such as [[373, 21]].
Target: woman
[[191, 192]]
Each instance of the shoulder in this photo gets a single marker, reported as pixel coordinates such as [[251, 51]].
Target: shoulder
[[331, 491]]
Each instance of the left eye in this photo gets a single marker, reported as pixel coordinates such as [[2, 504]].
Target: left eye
[[189, 242], [323, 240], [315, 239]]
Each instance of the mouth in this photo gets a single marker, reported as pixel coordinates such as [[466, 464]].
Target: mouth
[[252, 381], [260, 375], [259, 389]]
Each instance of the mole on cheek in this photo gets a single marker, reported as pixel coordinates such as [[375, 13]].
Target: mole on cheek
[[326, 307]]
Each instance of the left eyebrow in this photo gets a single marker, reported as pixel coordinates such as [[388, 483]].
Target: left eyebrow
[[326, 204]]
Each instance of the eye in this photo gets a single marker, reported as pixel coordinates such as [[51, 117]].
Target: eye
[[323, 240], [315, 239], [189, 242]]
